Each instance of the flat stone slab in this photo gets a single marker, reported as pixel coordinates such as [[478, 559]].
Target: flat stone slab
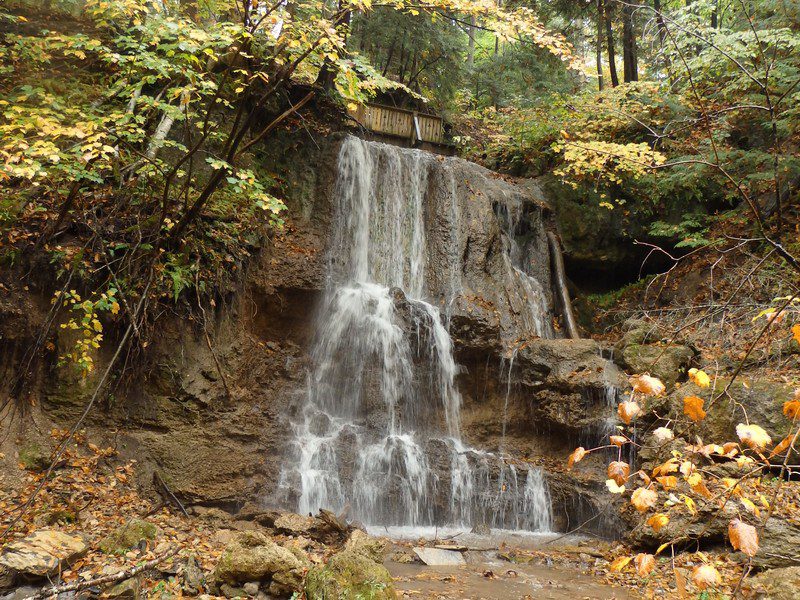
[[42, 552], [436, 557]]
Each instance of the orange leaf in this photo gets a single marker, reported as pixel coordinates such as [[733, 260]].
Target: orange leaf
[[730, 449], [693, 407], [668, 482], [792, 408], [743, 537], [628, 411], [706, 576], [666, 468], [618, 440], [619, 471], [647, 385], [645, 563], [576, 456], [781, 448], [658, 521], [796, 332], [643, 498]]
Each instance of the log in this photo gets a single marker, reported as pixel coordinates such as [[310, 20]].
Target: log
[[557, 260], [54, 592]]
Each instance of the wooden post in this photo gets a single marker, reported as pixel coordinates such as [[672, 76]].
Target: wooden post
[[416, 133]]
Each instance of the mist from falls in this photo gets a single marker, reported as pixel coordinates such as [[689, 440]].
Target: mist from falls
[[379, 432]]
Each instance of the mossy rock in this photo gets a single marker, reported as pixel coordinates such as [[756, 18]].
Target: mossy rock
[[252, 556], [33, 457], [759, 401], [668, 363], [640, 351], [128, 536], [350, 575]]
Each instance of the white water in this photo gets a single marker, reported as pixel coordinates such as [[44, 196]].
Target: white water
[[379, 433]]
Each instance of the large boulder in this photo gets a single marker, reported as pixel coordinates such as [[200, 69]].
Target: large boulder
[[775, 584], [128, 536], [779, 545], [42, 553], [371, 547], [746, 401], [294, 524], [252, 556], [641, 350], [350, 574]]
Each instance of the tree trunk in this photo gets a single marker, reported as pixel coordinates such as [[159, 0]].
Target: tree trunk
[[715, 15], [629, 61], [662, 38], [327, 73], [599, 46], [612, 58], [471, 44]]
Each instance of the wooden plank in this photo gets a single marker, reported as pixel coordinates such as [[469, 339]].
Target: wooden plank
[[400, 122]]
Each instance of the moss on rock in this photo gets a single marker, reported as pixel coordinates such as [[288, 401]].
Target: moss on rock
[[33, 457], [128, 536], [350, 575]]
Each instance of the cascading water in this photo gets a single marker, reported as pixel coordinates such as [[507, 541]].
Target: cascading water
[[379, 432]]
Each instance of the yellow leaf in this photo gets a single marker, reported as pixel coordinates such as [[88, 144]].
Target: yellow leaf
[[620, 563], [619, 471], [644, 498], [628, 411], [658, 521], [749, 505], [706, 576], [693, 407], [662, 547], [576, 456], [796, 332], [743, 537], [689, 504], [753, 436], [699, 377], [613, 487], [645, 563], [647, 385]]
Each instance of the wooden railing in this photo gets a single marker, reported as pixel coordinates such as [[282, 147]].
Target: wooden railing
[[399, 122]]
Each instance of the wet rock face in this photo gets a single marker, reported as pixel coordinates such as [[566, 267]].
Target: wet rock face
[[489, 275]]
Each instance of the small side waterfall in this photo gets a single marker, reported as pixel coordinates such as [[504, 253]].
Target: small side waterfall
[[379, 431]]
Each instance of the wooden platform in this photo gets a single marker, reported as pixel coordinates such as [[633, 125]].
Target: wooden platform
[[414, 127]]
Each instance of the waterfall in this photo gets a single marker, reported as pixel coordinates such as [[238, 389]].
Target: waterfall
[[379, 431]]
